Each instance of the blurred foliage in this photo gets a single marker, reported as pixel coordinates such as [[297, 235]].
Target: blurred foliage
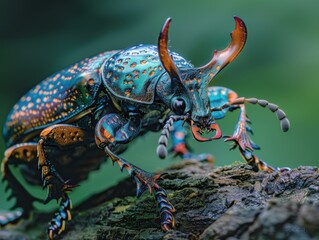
[[279, 63]]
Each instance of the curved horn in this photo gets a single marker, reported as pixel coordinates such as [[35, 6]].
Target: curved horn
[[164, 55], [222, 58]]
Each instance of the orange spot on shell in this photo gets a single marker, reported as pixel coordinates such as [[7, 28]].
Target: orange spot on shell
[[30, 105], [151, 73], [109, 74], [91, 81]]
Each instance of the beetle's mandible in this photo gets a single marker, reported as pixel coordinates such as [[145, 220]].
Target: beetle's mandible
[[65, 126]]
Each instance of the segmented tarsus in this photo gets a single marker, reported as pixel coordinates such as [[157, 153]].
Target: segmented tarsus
[[259, 164], [163, 140], [166, 209], [57, 224], [281, 115], [145, 180]]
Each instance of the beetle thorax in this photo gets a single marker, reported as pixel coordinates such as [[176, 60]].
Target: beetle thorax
[[133, 73]]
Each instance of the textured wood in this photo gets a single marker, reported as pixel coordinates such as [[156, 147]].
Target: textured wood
[[231, 202]]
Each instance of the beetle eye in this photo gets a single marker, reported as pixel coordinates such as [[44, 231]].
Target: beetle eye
[[179, 106]]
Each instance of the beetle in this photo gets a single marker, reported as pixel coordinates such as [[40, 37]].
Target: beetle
[[63, 127]]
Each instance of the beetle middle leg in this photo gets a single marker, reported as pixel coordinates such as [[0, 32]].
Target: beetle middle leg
[[113, 130], [62, 136]]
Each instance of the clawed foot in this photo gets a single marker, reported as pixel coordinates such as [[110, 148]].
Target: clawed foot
[[241, 138], [145, 180], [57, 188]]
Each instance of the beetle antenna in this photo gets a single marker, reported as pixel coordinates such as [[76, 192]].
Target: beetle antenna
[[281, 115], [163, 140]]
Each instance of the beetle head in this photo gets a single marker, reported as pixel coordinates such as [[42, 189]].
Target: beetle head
[[189, 85]]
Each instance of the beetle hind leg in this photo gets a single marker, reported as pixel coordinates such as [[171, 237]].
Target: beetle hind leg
[[19, 154]]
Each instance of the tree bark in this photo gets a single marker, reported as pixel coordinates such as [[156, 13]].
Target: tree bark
[[231, 202]]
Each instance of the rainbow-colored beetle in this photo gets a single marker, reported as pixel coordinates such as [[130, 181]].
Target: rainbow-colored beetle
[[64, 127]]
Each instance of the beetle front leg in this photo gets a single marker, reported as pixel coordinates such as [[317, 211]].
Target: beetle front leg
[[259, 164], [113, 130], [240, 136], [247, 146]]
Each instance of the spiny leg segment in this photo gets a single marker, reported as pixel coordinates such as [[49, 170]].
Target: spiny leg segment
[[113, 129], [60, 135], [241, 137], [24, 153]]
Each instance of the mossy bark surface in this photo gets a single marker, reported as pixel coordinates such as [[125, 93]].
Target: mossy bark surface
[[231, 202]]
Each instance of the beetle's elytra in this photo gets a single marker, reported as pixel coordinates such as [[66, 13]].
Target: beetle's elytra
[[66, 125]]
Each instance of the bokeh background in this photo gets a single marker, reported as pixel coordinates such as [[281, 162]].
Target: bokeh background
[[280, 63]]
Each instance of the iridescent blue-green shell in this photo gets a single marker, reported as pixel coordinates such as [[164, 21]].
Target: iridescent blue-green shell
[[132, 74], [58, 98], [218, 96]]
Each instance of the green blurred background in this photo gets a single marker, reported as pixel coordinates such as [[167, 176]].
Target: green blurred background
[[280, 63]]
